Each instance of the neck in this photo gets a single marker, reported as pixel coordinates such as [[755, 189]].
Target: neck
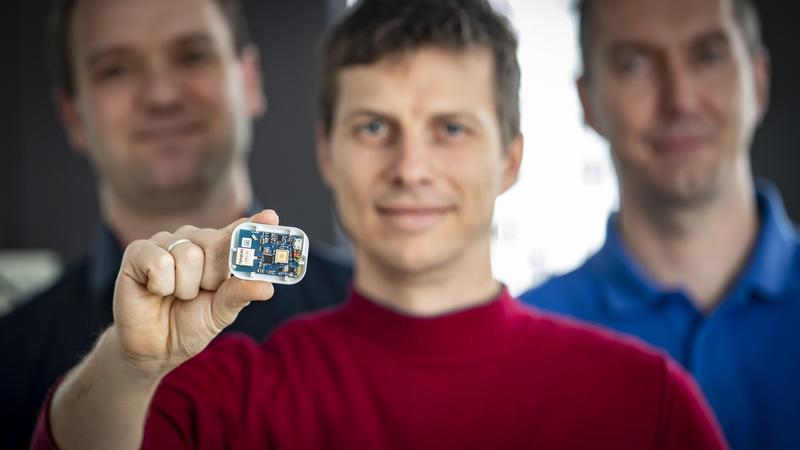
[[700, 248], [225, 202], [464, 284]]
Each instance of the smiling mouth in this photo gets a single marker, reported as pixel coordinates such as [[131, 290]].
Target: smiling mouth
[[167, 133], [413, 218], [681, 138], [680, 144]]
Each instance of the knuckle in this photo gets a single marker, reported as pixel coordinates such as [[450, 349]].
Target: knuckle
[[134, 248], [163, 262], [194, 254], [160, 236], [218, 249], [137, 251], [186, 230]]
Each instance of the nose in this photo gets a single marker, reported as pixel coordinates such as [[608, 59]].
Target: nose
[[679, 91], [411, 165], [161, 90]]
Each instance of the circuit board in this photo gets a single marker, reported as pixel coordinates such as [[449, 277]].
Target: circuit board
[[260, 254]]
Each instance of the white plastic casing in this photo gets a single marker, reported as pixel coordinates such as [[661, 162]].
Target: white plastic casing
[[241, 271]]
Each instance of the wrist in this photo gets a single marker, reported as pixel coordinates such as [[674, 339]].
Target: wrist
[[111, 358]]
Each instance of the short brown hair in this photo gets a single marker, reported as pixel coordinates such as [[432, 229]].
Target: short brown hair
[[375, 29], [60, 25], [744, 11]]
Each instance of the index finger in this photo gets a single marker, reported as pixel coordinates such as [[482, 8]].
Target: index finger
[[267, 216]]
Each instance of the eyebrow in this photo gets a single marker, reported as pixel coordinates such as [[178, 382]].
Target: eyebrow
[[472, 120], [713, 36], [98, 56], [198, 37], [193, 38], [621, 47], [444, 115], [366, 112]]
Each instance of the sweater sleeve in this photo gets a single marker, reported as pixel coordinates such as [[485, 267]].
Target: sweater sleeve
[[203, 404], [210, 402], [42, 438], [687, 422]]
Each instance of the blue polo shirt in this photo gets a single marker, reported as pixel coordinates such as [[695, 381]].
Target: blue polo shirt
[[745, 355]]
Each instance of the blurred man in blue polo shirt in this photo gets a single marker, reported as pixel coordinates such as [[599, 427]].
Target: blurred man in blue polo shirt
[[701, 259]]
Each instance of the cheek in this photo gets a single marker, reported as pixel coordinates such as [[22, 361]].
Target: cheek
[[478, 185], [350, 183], [723, 101], [113, 106], [212, 93], [630, 114], [105, 121]]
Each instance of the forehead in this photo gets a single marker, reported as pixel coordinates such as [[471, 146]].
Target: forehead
[[659, 22], [101, 24], [425, 80]]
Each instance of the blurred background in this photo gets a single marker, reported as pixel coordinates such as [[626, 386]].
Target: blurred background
[[548, 223]]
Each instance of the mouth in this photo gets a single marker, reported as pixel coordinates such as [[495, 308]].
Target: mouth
[[413, 218], [168, 133], [679, 145], [681, 139]]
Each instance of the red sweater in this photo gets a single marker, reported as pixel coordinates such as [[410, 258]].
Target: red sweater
[[498, 376]]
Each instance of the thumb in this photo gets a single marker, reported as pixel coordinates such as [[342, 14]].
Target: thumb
[[233, 295]]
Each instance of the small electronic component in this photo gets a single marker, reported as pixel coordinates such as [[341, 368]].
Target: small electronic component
[[273, 253]]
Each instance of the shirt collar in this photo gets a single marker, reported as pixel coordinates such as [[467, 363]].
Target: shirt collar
[[459, 334], [627, 288], [105, 257], [770, 265]]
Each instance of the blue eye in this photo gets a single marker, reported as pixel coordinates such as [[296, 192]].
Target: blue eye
[[632, 64], [374, 128], [453, 129]]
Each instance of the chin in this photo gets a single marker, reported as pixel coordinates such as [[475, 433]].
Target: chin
[[412, 260], [689, 189]]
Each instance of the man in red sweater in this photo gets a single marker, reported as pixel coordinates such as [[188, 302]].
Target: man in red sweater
[[419, 134]]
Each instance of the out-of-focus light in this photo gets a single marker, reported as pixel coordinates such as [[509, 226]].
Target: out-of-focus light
[[554, 217]]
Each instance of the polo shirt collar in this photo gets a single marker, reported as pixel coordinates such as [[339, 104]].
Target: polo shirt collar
[[770, 265], [627, 288]]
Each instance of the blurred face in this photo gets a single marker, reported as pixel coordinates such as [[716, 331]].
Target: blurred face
[[163, 102], [415, 159], [674, 89]]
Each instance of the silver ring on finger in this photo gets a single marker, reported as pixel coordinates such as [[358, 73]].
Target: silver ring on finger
[[177, 243]]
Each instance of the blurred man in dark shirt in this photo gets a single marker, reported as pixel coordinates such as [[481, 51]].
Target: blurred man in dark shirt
[[160, 97]]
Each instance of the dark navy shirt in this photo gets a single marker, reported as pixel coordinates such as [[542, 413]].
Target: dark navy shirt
[[745, 355], [44, 337]]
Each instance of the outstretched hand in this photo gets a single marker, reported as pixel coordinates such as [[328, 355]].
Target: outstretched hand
[[174, 294]]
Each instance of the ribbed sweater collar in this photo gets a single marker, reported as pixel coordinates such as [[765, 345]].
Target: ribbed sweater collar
[[465, 333]]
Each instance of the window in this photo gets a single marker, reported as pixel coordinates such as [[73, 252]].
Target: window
[[554, 217]]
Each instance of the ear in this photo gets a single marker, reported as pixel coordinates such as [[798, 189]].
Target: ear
[[513, 160], [583, 84], [67, 106], [324, 156], [761, 78], [250, 61]]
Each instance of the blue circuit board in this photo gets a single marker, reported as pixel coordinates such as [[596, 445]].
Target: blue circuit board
[[265, 253]]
